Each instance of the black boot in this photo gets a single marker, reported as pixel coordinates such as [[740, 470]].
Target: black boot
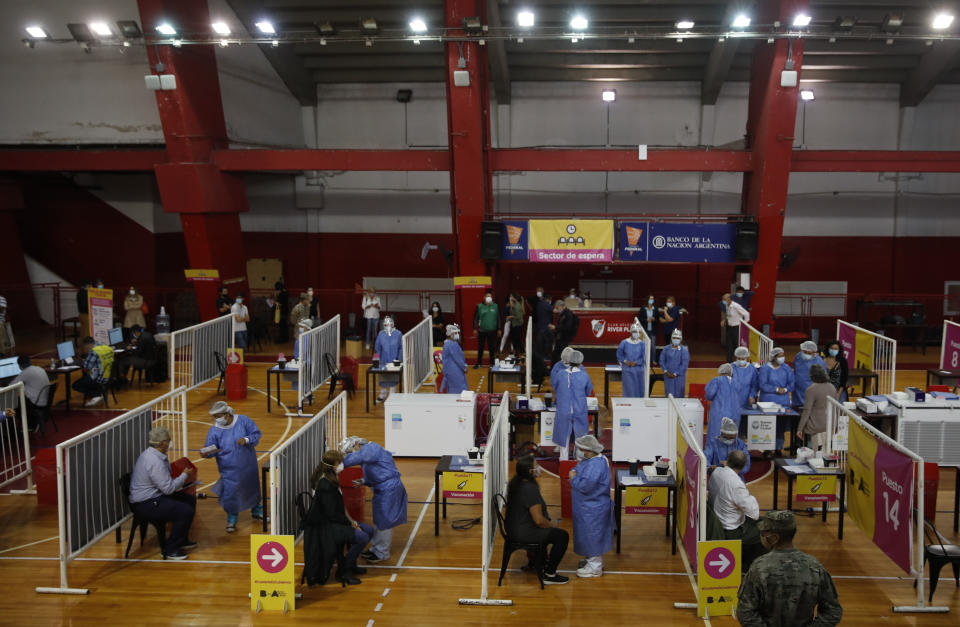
[[357, 570], [347, 579]]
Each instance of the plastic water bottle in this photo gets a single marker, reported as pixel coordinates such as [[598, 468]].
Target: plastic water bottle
[[163, 321]]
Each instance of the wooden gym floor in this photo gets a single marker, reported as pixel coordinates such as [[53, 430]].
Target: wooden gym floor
[[425, 576]]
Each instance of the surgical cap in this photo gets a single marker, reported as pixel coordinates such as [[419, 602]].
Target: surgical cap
[[558, 303], [389, 321], [158, 435], [306, 323], [776, 351], [634, 327], [742, 351], [451, 329], [728, 426], [350, 441], [220, 407], [589, 443], [677, 334], [725, 369], [576, 358], [565, 354], [809, 346]]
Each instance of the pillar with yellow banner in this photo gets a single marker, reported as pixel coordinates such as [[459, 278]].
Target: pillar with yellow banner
[[272, 573], [718, 577]]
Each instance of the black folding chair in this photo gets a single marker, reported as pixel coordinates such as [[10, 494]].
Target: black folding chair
[[510, 545], [939, 553], [46, 413], [336, 375], [222, 367], [140, 523]]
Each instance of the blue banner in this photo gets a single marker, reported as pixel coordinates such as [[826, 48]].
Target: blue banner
[[691, 243], [633, 241], [515, 239]]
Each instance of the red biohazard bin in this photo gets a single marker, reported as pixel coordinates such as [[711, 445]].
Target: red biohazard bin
[[353, 496], [566, 504], [931, 483], [45, 476], [236, 382]]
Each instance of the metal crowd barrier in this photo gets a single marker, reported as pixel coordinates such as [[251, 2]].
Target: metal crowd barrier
[[312, 348], [417, 355], [199, 352], [873, 352], [14, 438], [759, 345]]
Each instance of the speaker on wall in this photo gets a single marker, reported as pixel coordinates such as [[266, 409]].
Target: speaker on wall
[[746, 242], [491, 240]]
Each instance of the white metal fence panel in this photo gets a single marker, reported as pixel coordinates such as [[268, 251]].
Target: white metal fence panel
[[884, 350], [950, 346], [675, 418], [293, 462], [318, 357], [528, 359], [417, 355], [756, 342], [199, 353], [14, 437]]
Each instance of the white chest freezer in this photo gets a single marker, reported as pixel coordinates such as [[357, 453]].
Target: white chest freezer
[[641, 429], [428, 425], [930, 429]]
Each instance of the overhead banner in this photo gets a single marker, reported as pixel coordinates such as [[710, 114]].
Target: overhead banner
[[633, 241], [950, 353], [100, 306], [571, 241], [687, 242], [472, 282], [515, 240], [880, 493]]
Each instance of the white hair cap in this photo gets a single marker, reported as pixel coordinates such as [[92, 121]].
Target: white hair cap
[[727, 425], [306, 323], [451, 329], [677, 334], [388, 320], [725, 369], [576, 358], [741, 351], [589, 443], [220, 407], [349, 442], [809, 346], [634, 327], [776, 350], [565, 354]]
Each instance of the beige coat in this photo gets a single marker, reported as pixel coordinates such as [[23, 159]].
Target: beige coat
[[814, 417], [132, 305]]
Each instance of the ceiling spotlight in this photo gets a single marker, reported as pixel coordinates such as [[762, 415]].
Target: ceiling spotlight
[[275, 43], [525, 19], [806, 94], [844, 23], [36, 32], [220, 28], [325, 28], [574, 40], [224, 43], [266, 28], [404, 95], [741, 21], [101, 29], [368, 42], [579, 23], [417, 25], [609, 95], [80, 33], [369, 25], [801, 20], [166, 29], [685, 24], [177, 43], [129, 29], [942, 21], [891, 23]]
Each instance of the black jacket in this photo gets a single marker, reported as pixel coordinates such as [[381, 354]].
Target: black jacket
[[325, 530], [145, 346], [566, 326]]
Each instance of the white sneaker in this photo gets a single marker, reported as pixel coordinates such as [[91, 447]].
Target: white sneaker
[[368, 347], [96, 400], [587, 572]]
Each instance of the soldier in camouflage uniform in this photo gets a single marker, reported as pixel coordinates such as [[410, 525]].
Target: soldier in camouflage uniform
[[783, 587]]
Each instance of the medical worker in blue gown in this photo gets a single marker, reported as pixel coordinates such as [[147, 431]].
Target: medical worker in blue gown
[[236, 438], [561, 365], [806, 358], [632, 355], [572, 387], [389, 496], [717, 449], [674, 361], [454, 363], [776, 384], [593, 518], [722, 395], [389, 346], [744, 378]]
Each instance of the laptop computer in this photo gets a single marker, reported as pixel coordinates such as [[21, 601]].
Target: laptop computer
[[9, 368], [115, 337]]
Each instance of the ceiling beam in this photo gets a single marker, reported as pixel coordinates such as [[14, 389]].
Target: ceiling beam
[[719, 64], [564, 160], [568, 60], [939, 60], [81, 160], [373, 61], [497, 53], [615, 74], [348, 160], [381, 75], [875, 161], [593, 46]]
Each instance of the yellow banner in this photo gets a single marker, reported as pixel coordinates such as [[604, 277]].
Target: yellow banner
[[681, 472], [816, 488], [646, 500], [460, 282], [462, 485], [865, 344], [201, 275], [754, 347], [861, 455], [271, 573], [718, 576], [571, 240]]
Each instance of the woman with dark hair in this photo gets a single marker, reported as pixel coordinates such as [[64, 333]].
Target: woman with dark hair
[[837, 368], [813, 420], [527, 519], [328, 525], [436, 323]]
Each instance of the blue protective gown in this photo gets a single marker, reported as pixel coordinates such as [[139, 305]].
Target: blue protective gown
[[239, 485], [389, 346], [718, 448], [381, 474], [722, 395], [675, 360], [570, 390], [454, 369], [556, 368], [745, 380], [801, 376], [593, 517], [771, 378], [634, 380]]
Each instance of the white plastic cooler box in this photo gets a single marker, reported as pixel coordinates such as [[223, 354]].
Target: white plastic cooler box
[[641, 429], [428, 425]]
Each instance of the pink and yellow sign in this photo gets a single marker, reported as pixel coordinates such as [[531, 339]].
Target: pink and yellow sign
[[571, 241], [645, 500]]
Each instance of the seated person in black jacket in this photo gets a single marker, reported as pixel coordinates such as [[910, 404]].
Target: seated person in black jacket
[[328, 525], [140, 353]]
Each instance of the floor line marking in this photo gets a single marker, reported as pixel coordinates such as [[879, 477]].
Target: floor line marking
[[23, 546], [413, 534], [386, 591], [393, 577], [378, 608]]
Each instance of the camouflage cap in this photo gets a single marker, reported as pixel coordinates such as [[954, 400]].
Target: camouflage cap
[[777, 520]]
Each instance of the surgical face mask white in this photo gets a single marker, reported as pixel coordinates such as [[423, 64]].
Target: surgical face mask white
[[834, 352], [99, 286], [456, 337], [807, 355], [579, 454], [488, 299], [239, 301], [635, 335], [649, 301], [669, 303], [221, 421], [675, 341], [781, 359], [339, 468], [539, 294], [133, 292], [436, 309], [741, 362]]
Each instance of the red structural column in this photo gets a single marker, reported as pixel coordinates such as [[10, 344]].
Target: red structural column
[[770, 124], [208, 200], [468, 120]]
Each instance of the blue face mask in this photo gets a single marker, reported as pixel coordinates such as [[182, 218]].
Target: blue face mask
[[834, 352], [675, 341], [781, 359], [742, 363], [650, 301], [806, 355]]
